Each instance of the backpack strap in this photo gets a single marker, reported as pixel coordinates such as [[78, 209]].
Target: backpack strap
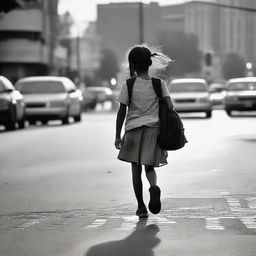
[[130, 82], [157, 87]]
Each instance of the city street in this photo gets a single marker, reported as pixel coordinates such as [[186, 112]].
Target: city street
[[64, 193]]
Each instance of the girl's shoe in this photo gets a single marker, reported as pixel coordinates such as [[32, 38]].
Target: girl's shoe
[[154, 203], [142, 212]]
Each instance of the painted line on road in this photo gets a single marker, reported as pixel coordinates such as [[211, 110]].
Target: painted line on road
[[96, 224], [213, 224], [249, 222], [129, 223]]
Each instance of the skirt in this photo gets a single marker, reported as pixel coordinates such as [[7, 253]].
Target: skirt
[[140, 146]]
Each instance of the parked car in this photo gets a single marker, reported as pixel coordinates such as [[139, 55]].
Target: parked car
[[90, 99], [191, 95], [12, 107], [240, 95], [49, 98], [102, 94], [217, 94]]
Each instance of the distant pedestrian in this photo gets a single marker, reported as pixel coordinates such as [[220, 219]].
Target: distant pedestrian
[[139, 144]]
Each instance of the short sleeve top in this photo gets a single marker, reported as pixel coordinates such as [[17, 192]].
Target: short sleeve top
[[144, 107]]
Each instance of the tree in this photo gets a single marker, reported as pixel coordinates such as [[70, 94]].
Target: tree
[[183, 48], [234, 66], [109, 65]]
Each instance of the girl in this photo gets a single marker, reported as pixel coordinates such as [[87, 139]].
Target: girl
[[139, 145]]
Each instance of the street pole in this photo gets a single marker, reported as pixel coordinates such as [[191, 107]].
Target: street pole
[[78, 56], [141, 23]]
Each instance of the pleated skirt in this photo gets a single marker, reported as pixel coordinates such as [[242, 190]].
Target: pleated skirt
[[140, 146]]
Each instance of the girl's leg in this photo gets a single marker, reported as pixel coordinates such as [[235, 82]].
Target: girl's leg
[[137, 183], [151, 175], [155, 192]]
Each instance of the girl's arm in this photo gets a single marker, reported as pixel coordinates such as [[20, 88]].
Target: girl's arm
[[119, 123]]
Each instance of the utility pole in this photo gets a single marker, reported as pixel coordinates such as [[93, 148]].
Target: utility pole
[[141, 23], [78, 63]]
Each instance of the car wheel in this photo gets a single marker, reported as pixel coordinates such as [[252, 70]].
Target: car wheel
[[208, 114], [44, 122], [10, 126], [32, 122], [21, 123], [65, 120], [77, 118], [228, 112]]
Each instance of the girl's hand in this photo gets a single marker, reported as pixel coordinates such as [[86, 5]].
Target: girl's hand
[[118, 143]]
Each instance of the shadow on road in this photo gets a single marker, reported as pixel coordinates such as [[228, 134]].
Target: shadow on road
[[140, 242]]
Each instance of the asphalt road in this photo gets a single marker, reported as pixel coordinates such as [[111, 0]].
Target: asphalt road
[[63, 192]]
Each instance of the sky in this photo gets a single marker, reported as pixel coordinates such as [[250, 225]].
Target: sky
[[84, 11]]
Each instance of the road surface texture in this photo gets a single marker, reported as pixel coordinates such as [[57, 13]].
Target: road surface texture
[[64, 193]]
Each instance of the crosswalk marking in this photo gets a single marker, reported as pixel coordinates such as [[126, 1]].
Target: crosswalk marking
[[213, 224], [249, 222], [96, 224], [212, 213]]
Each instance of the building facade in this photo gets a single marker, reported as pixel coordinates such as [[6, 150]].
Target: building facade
[[28, 41], [223, 26], [122, 25]]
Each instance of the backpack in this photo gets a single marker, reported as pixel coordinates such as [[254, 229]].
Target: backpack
[[171, 135]]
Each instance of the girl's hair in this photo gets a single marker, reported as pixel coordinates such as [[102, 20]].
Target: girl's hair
[[141, 57]]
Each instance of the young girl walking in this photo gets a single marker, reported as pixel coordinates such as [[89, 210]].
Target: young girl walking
[[139, 144]]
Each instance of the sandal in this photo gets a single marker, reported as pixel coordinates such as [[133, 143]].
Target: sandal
[[154, 203], [142, 212]]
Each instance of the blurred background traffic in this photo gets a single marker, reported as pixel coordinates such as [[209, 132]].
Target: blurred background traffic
[[56, 65]]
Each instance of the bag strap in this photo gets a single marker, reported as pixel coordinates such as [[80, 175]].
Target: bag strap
[[130, 82], [157, 87]]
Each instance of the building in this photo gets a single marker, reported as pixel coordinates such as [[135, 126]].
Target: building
[[173, 18], [86, 53], [122, 25], [28, 41], [223, 26]]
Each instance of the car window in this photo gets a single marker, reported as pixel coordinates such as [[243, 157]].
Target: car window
[[41, 87], [187, 87], [241, 86]]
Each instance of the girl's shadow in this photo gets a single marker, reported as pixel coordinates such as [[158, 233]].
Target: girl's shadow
[[139, 243]]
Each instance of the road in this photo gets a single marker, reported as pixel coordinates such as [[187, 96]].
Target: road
[[63, 192]]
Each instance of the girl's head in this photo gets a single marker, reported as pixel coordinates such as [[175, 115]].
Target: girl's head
[[140, 58]]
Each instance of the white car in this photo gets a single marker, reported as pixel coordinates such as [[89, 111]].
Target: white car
[[49, 98], [191, 95], [12, 107], [240, 95]]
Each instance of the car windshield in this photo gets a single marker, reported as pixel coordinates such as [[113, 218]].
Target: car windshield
[[187, 87], [5, 86], [41, 87], [242, 86]]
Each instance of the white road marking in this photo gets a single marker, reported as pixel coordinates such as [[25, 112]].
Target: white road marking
[[96, 224], [213, 224], [249, 222], [129, 223]]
